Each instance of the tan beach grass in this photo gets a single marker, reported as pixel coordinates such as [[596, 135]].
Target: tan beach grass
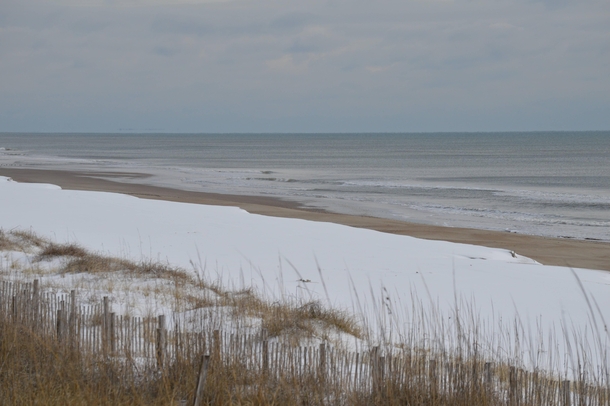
[[38, 366]]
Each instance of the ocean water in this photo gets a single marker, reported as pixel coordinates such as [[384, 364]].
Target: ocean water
[[552, 184]]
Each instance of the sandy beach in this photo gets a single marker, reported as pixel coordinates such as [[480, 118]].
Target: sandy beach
[[548, 251]]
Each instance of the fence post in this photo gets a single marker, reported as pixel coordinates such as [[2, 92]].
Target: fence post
[[216, 347], [265, 357], [488, 374], [432, 376], [112, 333], [25, 309], [60, 322], [35, 305], [161, 342], [72, 319], [203, 373], [381, 372], [488, 377], [565, 393], [58, 325], [475, 375], [512, 379], [375, 375], [15, 309], [322, 365], [105, 325]]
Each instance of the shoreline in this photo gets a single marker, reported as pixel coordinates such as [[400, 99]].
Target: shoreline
[[587, 254]]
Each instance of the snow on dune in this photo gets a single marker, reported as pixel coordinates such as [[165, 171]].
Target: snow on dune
[[281, 256]]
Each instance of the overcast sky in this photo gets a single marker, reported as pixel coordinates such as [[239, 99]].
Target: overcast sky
[[304, 65]]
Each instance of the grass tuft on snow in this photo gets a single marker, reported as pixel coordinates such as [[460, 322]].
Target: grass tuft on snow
[[429, 360]]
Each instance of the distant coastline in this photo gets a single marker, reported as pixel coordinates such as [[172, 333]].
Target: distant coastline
[[552, 184]]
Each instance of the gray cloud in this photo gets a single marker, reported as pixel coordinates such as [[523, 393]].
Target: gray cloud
[[293, 21], [180, 25], [259, 65]]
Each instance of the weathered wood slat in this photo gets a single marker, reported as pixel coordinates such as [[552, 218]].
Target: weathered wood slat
[[149, 341]]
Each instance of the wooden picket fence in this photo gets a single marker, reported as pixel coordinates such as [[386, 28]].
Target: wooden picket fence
[[151, 342]]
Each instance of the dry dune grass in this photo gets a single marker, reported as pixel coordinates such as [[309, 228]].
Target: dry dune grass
[[80, 260], [293, 318], [36, 368], [20, 240]]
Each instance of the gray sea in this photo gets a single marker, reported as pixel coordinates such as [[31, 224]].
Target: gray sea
[[551, 184]]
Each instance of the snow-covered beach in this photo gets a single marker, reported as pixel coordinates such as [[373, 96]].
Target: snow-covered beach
[[254, 202], [575, 253], [382, 276]]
